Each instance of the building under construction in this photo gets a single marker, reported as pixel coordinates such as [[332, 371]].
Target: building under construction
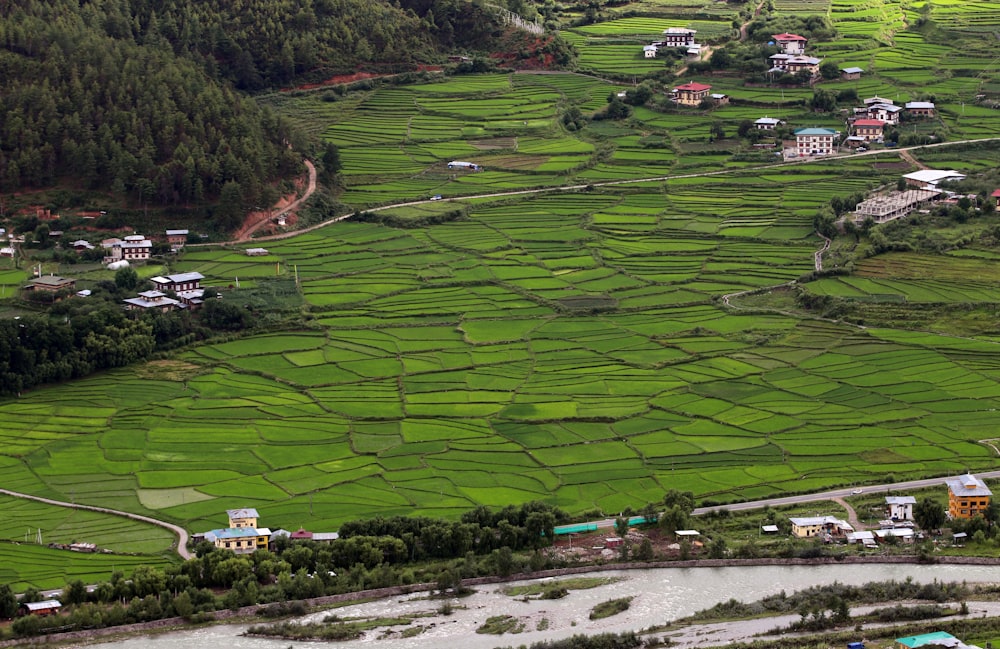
[[894, 205]]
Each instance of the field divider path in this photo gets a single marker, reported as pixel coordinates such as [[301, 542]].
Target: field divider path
[[818, 256], [182, 534], [577, 187]]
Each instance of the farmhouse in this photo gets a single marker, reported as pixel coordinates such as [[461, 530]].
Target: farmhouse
[[44, 608], [920, 108], [900, 508], [967, 496], [178, 282], [815, 141], [851, 74], [995, 195], [869, 129], [929, 178], [809, 527], [790, 43], [649, 51], [82, 244], [791, 63], [151, 300], [894, 205], [177, 238], [678, 37], [132, 248], [51, 283], [691, 94], [888, 113], [767, 123]]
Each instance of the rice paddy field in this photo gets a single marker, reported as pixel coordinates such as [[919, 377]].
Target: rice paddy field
[[569, 346], [566, 347]]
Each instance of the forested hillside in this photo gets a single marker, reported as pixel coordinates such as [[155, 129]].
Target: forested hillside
[[81, 100], [140, 97]]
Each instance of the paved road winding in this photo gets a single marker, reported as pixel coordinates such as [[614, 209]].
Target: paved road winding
[[182, 535]]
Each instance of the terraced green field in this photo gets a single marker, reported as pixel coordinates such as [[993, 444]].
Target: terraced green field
[[568, 346], [565, 347]]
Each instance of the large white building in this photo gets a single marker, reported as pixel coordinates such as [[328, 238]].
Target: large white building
[[815, 141]]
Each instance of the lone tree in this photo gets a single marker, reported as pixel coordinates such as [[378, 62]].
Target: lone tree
[[928, 514]]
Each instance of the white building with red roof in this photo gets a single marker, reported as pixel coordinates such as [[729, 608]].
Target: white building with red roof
[[691, 94], [790, 43]]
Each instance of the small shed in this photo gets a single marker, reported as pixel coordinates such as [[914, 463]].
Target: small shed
[[769, 529], [613, 542], [687, 534], [44, 608], [257, 252], [850, 74]]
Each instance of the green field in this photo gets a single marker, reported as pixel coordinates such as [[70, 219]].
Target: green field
[[564, 346]]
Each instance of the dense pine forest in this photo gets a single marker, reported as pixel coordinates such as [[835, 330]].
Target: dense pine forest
[[146, 98]]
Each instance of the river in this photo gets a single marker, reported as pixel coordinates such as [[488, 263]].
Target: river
[[660, 595]]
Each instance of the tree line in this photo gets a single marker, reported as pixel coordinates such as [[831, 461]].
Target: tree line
[[80, 336]]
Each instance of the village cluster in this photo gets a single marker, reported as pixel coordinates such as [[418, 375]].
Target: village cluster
[[169, 292]]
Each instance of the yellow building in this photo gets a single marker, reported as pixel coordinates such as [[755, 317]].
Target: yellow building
[[246, 517], [967, 496]]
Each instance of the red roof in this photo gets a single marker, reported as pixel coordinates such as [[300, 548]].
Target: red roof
[[869, 122], [996, 193], [301, 534], [788, 37], [694, 86]]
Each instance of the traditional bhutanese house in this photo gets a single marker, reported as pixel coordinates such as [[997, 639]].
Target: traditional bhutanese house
[[301, 534], [187, 287], [869, 129], [47, 607], [995, 195], [649, 51], [813, 526], [691, 94], [244, 517], [920, 108], [791, 63], [131, 248], [151, 300], [967, 496], [51, 283], [177, 238], [888, 113], [815, 141], [877, 100], [767, 123], [790, 43], [851, 74], [678, 37], [900, 508], [178, 282], [82, 244], [929, 178]]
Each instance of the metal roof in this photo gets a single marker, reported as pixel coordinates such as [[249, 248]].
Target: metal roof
[[246, 512], [900, 500], [816, 131], [41, 606], [232, 533], [968, 485]]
